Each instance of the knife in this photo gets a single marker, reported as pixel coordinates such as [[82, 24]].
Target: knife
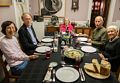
[[82, 74], [53, 80]]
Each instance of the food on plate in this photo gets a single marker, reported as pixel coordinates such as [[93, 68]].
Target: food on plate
[[105, 67], [96, 65], [73, 53], [89, 67]]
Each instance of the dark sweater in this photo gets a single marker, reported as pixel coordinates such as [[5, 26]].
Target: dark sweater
[[26, 40], [112, 52]]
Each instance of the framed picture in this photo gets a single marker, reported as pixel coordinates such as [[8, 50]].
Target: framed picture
[[4, 3]]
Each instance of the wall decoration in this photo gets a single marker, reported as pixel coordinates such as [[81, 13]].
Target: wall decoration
[[4, 3], [51, 7], [75, 5]]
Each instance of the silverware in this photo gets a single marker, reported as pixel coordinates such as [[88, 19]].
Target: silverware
[[82, 74], [53, 80], [48, 75]]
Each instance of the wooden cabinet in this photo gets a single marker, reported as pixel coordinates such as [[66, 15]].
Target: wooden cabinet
[[51, 29], [83, 30]]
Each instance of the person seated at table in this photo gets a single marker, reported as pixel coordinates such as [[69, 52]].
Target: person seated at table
[[99, 35], [112, 48], [27, 36], [66, 26], [15, 57], [66, 30]]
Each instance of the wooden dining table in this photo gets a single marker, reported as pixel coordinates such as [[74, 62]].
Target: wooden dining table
[[36, 69]]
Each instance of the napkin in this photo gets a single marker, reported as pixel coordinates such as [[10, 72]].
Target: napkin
[[48, 75]]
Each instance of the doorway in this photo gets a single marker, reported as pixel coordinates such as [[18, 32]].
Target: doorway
[[100, 8]]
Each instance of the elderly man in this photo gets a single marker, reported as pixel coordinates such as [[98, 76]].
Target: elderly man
[[27, 36], [99, 35]]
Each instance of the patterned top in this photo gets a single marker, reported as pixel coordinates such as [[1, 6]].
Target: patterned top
[[12, 51]]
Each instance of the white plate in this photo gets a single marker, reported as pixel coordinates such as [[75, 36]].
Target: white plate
[[67, 74], [42, 49], [89, 49], [47, 40], [82, 39], [53, 64]]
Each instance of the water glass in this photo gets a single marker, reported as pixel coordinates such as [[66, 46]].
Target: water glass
[[56, 34]]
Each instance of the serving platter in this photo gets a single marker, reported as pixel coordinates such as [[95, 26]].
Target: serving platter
[[95, 75], [73, 53]]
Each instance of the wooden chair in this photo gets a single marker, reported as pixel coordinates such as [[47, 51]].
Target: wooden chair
[[117, 73], [7, 73]]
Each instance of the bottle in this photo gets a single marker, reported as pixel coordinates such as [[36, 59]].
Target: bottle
[[55, 45]]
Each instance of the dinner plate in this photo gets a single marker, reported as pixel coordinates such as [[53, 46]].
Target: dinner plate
[[42, 49], [47, 40], [82, 39], [72, 53], [89, 49], [96, 75], [67, 74]]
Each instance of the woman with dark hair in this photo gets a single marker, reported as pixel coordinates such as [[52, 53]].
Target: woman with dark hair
[[10, 47]]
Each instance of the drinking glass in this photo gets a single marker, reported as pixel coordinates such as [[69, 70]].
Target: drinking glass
[[56, 34], [77, 62], [48, 53]]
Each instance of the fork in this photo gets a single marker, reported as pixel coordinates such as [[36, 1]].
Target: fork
[[53, 80]]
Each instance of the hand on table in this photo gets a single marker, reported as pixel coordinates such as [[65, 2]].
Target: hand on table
[[32, 57], [102, 57]]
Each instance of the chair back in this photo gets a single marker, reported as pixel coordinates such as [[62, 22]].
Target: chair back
[[3, 64]]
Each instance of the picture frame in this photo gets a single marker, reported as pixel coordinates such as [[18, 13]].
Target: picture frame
[[5, 3]]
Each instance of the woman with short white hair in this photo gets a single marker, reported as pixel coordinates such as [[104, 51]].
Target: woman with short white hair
[[112, 48]]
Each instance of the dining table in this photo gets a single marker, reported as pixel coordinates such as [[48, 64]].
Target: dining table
[[36, 70]]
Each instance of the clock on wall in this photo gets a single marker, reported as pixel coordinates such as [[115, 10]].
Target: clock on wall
[[75, 5]]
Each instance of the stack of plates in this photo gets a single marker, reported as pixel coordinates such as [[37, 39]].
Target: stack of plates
[[82, 39], [42, 49], [88, 49], [47, 40]]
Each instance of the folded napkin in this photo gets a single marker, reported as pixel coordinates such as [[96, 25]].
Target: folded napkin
[[48, 75]]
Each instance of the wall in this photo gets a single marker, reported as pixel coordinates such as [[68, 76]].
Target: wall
[[7, 13], [78, 15], [66, 9], [116, 15], [34, 9]]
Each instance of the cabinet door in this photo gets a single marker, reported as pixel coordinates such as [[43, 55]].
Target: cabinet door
[[79, 30], [51, 29], [87, 31]]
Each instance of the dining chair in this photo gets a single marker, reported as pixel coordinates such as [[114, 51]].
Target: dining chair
[[117, 73], [7, 72]]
